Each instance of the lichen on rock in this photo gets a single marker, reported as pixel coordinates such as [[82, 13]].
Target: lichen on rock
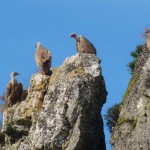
[[61, 111]]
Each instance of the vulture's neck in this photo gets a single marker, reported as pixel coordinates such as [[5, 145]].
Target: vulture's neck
[[148, 43], [76, 38], [38, 45], [13, 80]]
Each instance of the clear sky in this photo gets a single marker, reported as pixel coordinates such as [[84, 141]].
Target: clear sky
[[115, 27]]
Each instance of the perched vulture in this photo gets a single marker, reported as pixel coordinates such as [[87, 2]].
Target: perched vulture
[[43, 59], [13, 90], [83, 45], [147, 35]]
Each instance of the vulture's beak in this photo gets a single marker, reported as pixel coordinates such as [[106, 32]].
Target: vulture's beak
[[17, 73]]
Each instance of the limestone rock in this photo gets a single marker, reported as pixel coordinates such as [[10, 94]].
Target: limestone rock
[[132, 131], [61, 111]]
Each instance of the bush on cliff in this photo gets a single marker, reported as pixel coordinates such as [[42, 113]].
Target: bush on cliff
[[112, 116]]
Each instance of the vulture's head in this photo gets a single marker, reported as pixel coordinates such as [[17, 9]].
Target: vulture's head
[[13, 74], [147, 33], [73, 35], [37, 45]]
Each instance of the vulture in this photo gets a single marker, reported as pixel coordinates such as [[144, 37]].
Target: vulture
[[43, 59], [147, 35], [83, 45], [13, 90]]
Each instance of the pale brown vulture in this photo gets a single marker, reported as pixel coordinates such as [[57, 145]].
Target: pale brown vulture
[[147, 35], [43, 59], [83, 45], [13, 90]]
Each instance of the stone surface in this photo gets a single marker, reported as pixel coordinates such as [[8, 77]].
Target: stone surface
[[61, 111], [132, 131]]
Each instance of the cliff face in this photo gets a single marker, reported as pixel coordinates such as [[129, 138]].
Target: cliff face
[[61, 111], [132, 131]]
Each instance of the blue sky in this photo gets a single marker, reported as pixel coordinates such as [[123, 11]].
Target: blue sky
[[115, 27]]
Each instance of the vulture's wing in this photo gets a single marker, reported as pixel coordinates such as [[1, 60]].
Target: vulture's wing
[[43, 59], [20, 89], [8, 91], [44, 54], [86, 46]]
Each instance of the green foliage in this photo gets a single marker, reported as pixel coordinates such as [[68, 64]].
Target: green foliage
[[131, 65], [130, 86], [137, 51], [134, 55], [112, 116], [123, 120]]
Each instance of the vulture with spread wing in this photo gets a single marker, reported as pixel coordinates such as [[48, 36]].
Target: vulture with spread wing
[[43, 59], [13, 90], [83, 45]]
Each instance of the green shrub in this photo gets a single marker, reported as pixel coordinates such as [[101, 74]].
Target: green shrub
[[112, 116], [134, 55]]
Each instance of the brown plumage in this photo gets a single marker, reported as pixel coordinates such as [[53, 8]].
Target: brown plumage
[[13, 90], [43, 59], [83, 45], [147, 35]]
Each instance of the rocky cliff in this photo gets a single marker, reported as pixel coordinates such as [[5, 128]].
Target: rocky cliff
[[61, 111], [132, 130]]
